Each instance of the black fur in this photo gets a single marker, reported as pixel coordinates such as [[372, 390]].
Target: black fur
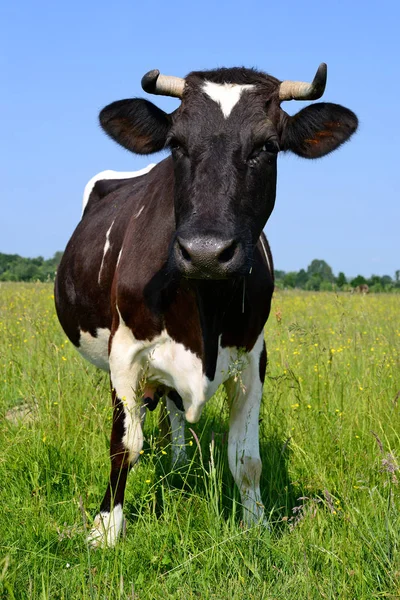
[[318, 129]]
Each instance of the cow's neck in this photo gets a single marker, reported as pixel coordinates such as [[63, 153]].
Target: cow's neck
[[213, 299]]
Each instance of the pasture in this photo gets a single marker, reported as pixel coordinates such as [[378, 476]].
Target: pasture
[[330, 445]]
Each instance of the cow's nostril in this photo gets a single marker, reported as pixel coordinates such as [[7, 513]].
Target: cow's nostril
[[228, 253], [184, 252], [208, 257]]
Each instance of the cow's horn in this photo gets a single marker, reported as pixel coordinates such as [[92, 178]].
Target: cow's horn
[[162, 85], [300, 90]]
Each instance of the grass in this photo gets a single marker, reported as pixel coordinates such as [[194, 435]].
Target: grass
[[330, 430]]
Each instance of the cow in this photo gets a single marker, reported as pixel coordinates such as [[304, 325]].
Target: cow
[[363, 289], [167, 280]]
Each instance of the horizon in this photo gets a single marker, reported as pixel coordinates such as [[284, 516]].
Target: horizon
[[286, 271]]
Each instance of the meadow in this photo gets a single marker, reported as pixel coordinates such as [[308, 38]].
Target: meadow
[[330, 445]]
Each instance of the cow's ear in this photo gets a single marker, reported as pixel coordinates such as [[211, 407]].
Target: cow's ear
[[136, 124], [318, 129]]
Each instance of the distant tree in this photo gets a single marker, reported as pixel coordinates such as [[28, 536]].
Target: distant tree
[[397, 276], [57, 257], [301, 279], [359, 280], [386, 280], [326, 286], [16, 268], [6, 262], [341, 280], [8, 276], [321, 268], [373, 280], [376, 288], [314, 282], [289, 279], [38, 261], [26, 270], [278, 274]]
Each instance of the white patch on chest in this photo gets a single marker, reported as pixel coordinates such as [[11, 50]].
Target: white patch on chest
[[105, 250], [227, 95], [111, 175], [159, 361], [164, 361], [95, 349]]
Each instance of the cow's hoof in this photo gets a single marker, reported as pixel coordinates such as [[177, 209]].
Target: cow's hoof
[[106, 528]]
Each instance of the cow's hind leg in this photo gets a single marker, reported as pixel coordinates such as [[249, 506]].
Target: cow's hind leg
[[245, 393], [126, 444], [177, 420]]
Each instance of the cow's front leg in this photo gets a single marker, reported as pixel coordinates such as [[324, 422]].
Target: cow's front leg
[[245, 394], [125, 447]]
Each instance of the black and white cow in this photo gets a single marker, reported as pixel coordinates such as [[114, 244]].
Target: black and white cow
[[167, 279]]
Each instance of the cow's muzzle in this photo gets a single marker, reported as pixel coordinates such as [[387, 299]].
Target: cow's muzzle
[[209, 257]]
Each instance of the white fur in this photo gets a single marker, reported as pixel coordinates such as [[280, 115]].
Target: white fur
[[227, 95], [119, 256], [111, 175], [160, 360], [95, 349], [105, 250], [265, 253], [106, 528], [243, 446], [139, 212]]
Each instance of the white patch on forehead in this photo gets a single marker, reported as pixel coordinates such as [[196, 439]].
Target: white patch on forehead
[[227, 95], [111, 175], [105, 250], [95, 349]]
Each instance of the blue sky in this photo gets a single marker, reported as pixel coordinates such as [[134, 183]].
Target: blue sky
[[62, 62]]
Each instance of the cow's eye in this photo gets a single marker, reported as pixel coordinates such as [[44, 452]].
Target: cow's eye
[[177, 146], [271, 147], [268, 150]]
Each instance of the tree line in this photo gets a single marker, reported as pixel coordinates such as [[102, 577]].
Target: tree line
[[317, 276], [17, 268]]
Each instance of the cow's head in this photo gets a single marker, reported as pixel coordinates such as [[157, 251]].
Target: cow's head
[[225, 138]]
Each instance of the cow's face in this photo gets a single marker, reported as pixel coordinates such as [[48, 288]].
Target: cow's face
[[224, 139]]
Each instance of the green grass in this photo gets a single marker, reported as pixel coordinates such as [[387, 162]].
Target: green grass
[[330, 438]]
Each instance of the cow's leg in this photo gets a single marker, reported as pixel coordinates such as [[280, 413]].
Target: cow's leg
[[177, 420], [125, 447], [245, 395], [128, 384]]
